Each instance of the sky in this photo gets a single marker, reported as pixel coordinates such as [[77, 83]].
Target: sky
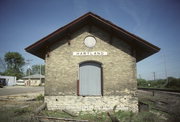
[[23, 22]]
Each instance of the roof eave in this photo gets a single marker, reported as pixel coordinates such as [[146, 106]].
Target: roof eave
[[39, 49]]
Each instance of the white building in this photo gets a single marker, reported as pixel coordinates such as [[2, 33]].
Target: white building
[[34, 80], [10, 80]]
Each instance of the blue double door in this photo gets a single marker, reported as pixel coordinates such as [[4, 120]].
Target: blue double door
[[90, 79]]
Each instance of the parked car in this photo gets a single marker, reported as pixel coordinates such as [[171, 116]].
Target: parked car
[[2, 82], [20, 82]]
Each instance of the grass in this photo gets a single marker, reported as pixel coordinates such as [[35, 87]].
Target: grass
[[26, 115], [94, 117], [97, 116], [19, 114], [16, 115], [56, 113]]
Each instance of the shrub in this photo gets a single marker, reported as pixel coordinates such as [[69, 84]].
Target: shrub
[[173, 82]]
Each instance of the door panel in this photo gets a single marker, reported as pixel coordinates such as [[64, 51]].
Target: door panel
[[90, 78]]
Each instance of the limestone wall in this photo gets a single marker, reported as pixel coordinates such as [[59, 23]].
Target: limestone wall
[[79, 103]]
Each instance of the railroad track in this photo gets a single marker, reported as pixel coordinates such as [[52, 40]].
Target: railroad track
[[158, 89], [164, 100]]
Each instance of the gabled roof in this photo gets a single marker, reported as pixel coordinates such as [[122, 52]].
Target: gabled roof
[[142, 47]]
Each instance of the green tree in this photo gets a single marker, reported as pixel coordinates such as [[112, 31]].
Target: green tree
[[173, 83], [142, 83], [14, 62]]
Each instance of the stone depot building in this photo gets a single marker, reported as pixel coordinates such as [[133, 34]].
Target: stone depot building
[[91, 65]]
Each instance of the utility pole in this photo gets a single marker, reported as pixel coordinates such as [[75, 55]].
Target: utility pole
[[165, 69], [29, 72], [154, 76], [40, 72]]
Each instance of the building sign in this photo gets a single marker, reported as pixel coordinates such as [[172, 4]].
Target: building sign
[[89, 53]]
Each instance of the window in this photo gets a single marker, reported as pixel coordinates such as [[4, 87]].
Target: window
[[90, 80]]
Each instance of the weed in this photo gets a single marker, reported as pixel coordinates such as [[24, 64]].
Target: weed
[[22, 111], [40, 98]]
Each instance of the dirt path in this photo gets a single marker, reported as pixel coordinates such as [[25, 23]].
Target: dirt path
[[14, 90]]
